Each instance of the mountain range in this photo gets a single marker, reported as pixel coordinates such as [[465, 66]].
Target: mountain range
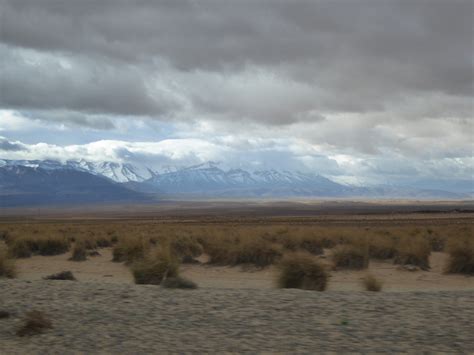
[[33, 182]]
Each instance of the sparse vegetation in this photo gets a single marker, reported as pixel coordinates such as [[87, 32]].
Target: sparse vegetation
[[35, 322], [79, 252], [382, 247], [7, 265], [178, 282], [371, 283], [156, 266], [350, 256], [63, 275], [461, 256], [299, 270], [129, 250], [413, 250]]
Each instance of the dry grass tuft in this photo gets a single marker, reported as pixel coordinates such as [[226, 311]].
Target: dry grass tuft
[[7, 265], [178, 282], [24, 247], [371, 283], [130, 250], [382, 247], [301, 271], [350, 256], [155, 267], [413, 250], [20, 248], [79, 252], [185, 247], [63, 275], [35, 322], [461, 256]]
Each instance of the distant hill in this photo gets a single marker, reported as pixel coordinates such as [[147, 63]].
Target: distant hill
[[30, 182], [25, 186]]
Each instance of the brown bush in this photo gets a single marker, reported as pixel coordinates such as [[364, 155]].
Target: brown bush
[[7, 265], [79, 252], [178, 282], [156, 266], [35, 322], [413, 250], [130, 250], [382, 247], [63, 275], [301, 271], [461, 256], [20, 248], [371, 283], [350, 256], [185, 247]]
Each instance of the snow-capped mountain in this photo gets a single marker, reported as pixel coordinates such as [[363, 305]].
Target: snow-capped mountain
[[209, 180], [117, 172]]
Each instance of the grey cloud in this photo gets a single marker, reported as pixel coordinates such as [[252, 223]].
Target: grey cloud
[[383, 68], [7, 146]]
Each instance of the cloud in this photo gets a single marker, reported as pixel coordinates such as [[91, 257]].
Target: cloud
[[386, 84], [7, 146]]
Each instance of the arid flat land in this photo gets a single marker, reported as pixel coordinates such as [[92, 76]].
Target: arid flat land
[[234, 258]]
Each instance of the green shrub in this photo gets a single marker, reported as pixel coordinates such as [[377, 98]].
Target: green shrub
[[302, 271]]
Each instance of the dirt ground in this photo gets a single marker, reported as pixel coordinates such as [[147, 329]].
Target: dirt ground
[[102, 269]]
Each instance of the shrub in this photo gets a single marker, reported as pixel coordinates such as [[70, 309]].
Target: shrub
[[103, 242], [372, 284], [63, 275], [257, 252], [178, 282], [461, 256], [129, 250], [20, 248], [382, 247], [436, 242], [35, 322], [79, 252], [349, 256], [7, 265], [51, 245], [302, 271], [312, 245], [156, 266], [413, 251], [186, 248]]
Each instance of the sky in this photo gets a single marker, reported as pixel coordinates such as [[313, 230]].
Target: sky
[[360, 91]]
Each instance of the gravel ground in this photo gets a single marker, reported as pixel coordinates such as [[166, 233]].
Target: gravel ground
[[115, 318]]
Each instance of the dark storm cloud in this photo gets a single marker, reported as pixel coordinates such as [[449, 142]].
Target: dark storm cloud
[[379, 48]]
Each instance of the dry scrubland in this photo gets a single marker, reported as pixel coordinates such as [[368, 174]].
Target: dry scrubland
[[307, 255]]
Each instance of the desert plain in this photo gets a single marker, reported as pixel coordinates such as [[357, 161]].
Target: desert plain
[[392, 277]]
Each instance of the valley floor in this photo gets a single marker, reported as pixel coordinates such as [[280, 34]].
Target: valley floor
[[90, 317]]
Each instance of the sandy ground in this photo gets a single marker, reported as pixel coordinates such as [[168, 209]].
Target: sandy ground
[[91, 317], [101, 269]]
